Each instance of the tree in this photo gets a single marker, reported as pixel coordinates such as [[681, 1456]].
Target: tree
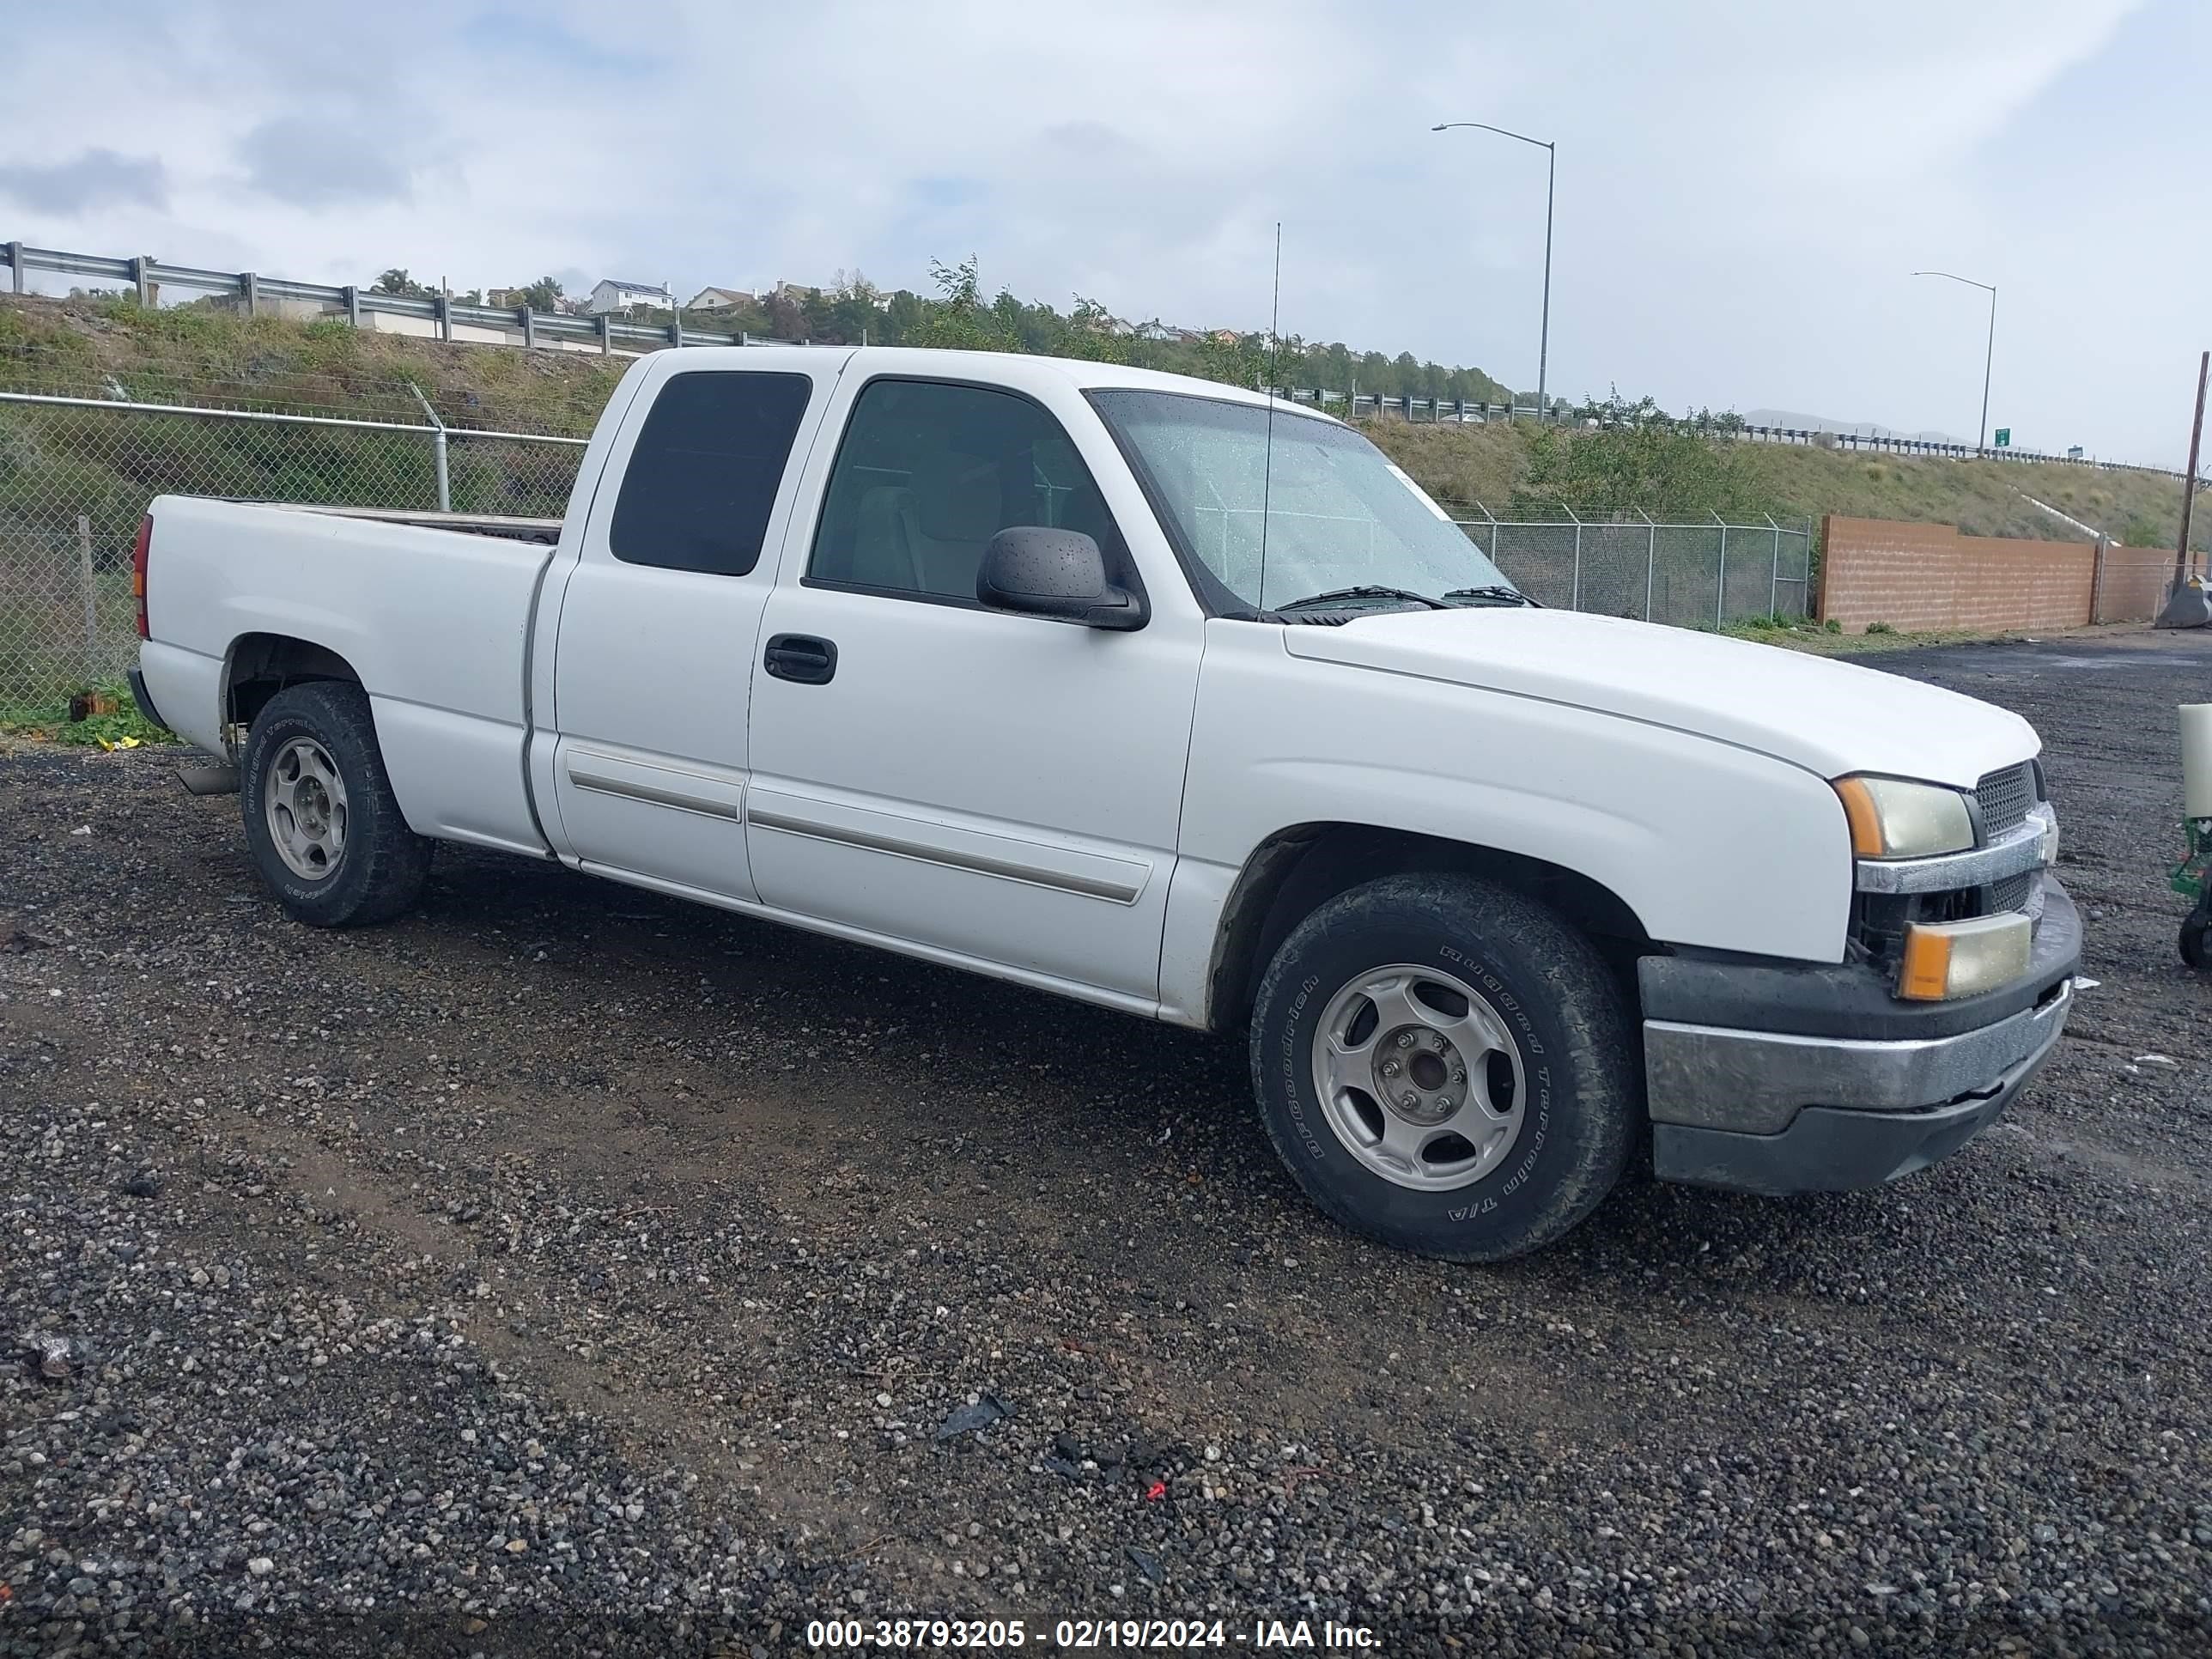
[[787, 318], [1638, 457], [543, 295], [960, 320], [397, 281], [1090, 334]]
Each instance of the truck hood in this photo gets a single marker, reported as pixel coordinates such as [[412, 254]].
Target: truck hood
[[1830, 717]]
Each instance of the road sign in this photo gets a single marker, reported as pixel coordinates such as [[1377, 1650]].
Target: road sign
[[2004, 437]]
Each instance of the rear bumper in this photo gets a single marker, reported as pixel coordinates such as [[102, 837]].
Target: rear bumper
[[1823, 1107], [144, 698]]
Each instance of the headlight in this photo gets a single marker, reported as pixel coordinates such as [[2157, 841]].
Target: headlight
[[1891, 818]]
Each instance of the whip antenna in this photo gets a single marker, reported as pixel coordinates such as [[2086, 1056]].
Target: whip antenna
[[1274, 366]]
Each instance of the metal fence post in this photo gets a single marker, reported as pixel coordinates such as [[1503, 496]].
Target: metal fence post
[[1774, 581], [1719, 585], [529, 328], [15, 265], [91, 600], [437, 449], [1575, 600], [138, 280], [352, 297], [250, 286], [1650, 563], [443, 304], [1774, 586], [606, 333]]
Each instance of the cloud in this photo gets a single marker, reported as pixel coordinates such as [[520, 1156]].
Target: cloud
[[91, 179], [310, 163], [1743, 187]]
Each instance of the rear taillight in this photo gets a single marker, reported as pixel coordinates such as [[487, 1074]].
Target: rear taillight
[[138, 571]]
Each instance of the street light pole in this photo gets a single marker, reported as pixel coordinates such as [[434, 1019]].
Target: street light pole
[[1551, 178], [1981, 439]]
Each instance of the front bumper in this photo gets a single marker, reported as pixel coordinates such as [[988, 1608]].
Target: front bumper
[[1817, 1080]]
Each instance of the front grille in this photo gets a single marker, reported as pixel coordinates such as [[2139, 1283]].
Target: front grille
[[2005, 795], [2011, 893]]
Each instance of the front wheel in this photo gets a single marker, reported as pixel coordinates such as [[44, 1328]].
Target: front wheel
[[1445, 1065], [323, 826]]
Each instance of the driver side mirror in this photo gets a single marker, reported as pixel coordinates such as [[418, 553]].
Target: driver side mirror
[[1061, 574]]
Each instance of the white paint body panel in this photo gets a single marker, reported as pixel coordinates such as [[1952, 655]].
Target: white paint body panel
[[1008, 787], [653, 668], [1683, 830], [434, 621], [1829, 717], [1061, 807]]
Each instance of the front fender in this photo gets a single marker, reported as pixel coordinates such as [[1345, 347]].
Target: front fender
[[1708, 844]]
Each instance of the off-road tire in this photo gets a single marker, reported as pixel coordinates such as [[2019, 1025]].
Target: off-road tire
[[378, 872], [1554, 996]]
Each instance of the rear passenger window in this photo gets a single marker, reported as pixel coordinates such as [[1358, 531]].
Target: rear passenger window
[[702, 478]]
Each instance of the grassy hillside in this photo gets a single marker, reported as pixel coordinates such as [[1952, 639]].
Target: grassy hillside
[[104, 348], [1489, 464]]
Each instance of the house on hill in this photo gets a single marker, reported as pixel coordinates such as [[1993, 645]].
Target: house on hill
[[719, 298], [609, 294]]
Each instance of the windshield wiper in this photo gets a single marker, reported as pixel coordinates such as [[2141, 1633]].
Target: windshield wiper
[[1363, 591], [1496, 593]]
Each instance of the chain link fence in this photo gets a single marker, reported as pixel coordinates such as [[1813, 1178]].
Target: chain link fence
[[77, 474], [1692, 575]]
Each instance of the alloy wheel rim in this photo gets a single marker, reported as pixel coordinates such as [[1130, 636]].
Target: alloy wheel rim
[[1419, 1077], [304, 802]]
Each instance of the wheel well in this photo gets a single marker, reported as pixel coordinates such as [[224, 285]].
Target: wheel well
[[1296, 871], [262, 664]]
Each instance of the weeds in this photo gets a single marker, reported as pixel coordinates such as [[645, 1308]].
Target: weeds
[[48, 722]]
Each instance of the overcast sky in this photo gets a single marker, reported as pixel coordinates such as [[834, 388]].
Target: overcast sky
[[1744, 186]]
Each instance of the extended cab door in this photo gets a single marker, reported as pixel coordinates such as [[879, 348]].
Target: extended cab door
[[992, 788], [661, 618]]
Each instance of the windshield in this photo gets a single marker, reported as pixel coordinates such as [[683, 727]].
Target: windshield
[[1338, 513]]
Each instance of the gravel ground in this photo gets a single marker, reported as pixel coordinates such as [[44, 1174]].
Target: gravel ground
[[562, 1270]]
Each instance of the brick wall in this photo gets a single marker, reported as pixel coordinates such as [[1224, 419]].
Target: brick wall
[[1923, 577]]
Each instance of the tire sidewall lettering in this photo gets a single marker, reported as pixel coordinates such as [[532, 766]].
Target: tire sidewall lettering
[[1293, 1042]]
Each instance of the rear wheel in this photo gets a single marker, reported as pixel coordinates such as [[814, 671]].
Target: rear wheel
[[326, 830], [1447, 1066]]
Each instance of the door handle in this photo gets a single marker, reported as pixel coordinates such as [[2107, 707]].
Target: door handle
[[801, 657]]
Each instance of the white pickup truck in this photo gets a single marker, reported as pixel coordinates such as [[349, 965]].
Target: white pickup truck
[[1142, 690]]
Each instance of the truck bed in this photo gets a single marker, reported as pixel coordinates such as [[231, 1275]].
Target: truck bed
[[432, 612]]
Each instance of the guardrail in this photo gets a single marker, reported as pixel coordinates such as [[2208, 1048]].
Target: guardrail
[[1447, 410], [147, 275]]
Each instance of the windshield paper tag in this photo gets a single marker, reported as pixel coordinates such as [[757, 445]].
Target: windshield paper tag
[[1419, 494]]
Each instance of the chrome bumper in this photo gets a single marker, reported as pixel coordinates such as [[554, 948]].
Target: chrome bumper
[[1817, 1079], [1756, 1082]]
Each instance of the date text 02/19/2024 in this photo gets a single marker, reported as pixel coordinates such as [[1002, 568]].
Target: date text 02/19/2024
[[1086, 1633]]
